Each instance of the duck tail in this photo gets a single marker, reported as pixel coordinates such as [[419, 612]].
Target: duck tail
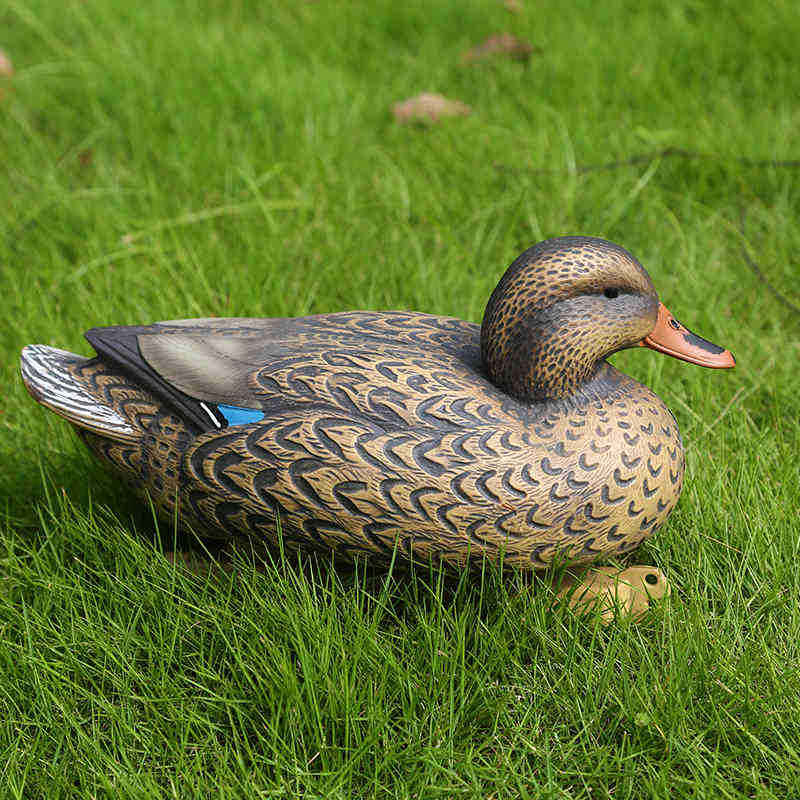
[[79, 389]]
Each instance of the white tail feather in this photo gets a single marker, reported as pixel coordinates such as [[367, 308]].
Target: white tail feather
[[49, 381]]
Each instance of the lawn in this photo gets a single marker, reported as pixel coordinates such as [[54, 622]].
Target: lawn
[[179, 158]]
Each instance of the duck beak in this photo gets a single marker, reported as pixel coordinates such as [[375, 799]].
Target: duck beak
[[672, 338]]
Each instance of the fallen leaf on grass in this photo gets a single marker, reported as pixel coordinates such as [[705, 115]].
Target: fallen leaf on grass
[[514, 6], [428, 107], [502, 44], [6, 67], [6, 70]]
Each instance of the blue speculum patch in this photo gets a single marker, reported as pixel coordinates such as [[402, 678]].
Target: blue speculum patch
[[235, 415]]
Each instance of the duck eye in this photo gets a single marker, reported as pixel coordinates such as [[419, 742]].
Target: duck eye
[[611, 293]]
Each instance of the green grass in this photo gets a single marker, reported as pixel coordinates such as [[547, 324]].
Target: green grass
[[170, 159]]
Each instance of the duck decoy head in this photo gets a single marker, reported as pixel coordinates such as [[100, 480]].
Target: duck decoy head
[[566, 304]]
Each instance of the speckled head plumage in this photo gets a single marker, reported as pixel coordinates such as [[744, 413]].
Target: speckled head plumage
[[562, 306]]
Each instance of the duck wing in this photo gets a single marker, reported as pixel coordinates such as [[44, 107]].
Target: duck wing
[[187, 368], [209, 369]]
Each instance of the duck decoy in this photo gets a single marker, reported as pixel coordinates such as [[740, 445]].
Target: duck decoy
[[385, 434]]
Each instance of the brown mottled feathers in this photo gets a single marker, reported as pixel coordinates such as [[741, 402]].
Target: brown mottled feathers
[[592, 481], [382, 432]]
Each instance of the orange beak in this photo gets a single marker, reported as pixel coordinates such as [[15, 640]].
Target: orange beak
[[672, 338]]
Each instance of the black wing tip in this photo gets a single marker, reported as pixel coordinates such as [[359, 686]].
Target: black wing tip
[[119, 345], [112, 333]]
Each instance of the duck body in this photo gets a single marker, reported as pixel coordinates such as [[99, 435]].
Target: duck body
[[374, 434]]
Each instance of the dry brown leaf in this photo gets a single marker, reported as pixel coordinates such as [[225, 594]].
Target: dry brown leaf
[[427, 107], [6, 67], [502, 44]]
